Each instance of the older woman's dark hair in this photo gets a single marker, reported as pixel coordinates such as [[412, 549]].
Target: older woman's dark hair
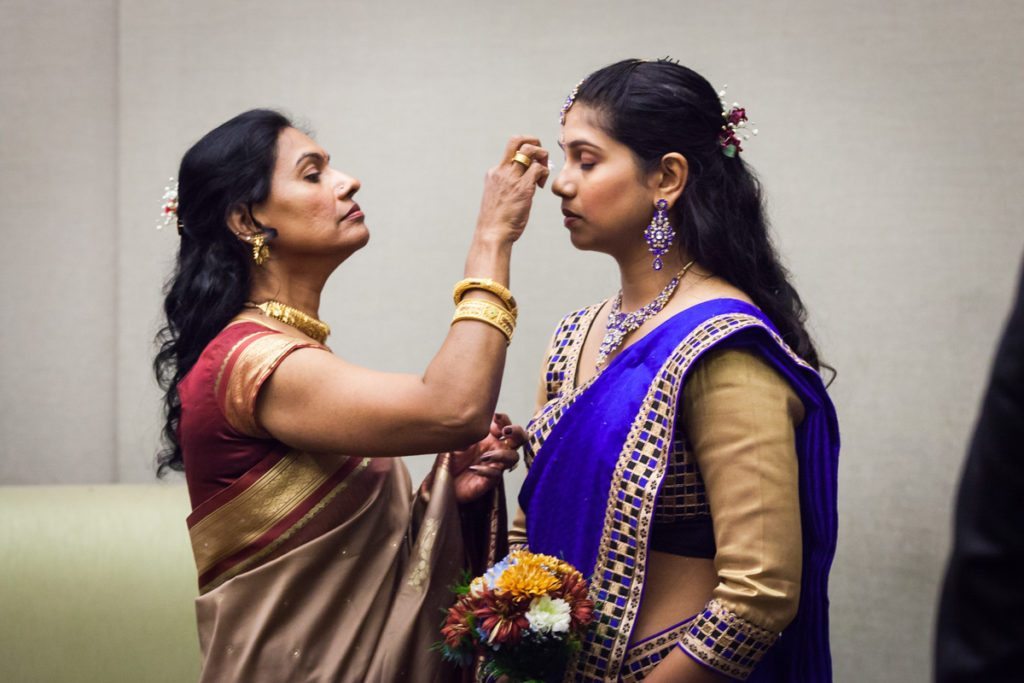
[[659, 107], [230, 166]]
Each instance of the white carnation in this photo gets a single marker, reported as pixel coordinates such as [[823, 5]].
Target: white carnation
[[549, 615]]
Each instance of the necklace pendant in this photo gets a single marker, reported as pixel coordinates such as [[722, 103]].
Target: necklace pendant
[[621, 324]]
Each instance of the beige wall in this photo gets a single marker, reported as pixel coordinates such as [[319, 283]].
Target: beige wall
[[58, 241], [888, 147]]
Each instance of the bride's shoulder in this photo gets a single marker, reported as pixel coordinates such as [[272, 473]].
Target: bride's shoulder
[[711, 289]]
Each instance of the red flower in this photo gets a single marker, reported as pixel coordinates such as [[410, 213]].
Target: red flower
[[456, 626], [730, 143], [501, 618], [574, 591], [737, 115]]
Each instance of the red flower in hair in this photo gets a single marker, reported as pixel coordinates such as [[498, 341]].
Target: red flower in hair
[[737, 115]]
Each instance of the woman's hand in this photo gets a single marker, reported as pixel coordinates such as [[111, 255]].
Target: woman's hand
[[478, 469], [509, 188]]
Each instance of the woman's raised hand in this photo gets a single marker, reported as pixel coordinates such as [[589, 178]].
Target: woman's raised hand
[[509, 188]]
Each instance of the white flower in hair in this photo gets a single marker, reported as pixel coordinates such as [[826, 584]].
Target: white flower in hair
[[169, 209]]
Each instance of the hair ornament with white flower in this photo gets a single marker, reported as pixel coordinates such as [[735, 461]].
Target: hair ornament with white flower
[[737, 128], [169, 209]]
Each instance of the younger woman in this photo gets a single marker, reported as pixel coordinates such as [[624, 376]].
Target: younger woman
[[684, 450]]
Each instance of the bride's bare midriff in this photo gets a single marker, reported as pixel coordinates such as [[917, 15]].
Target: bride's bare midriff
[[675, 589]]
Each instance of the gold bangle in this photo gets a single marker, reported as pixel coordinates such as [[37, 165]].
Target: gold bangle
[[481, 309], [487, 312], [487, 285]]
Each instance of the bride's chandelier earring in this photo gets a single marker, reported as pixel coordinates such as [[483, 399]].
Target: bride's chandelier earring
[[659, 234]]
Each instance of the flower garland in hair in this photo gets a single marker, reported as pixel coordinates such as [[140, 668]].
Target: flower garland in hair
[[525, 616], [734, 130]]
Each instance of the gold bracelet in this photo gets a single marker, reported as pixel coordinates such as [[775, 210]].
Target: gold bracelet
[[487, 285], [487, 312]]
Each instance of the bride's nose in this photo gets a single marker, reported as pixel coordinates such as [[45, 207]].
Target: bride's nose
[[561, 187]]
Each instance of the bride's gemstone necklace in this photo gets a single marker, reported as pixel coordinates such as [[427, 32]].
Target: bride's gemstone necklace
[[621, 324]]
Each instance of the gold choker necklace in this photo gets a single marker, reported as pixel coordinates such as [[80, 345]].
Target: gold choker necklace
[[307, 324]]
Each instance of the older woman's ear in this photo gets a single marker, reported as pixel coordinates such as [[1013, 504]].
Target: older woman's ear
[[240, 221]]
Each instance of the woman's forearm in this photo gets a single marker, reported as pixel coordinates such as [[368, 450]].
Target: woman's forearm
[[466, 372]]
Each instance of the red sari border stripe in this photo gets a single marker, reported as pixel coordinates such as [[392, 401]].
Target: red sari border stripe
[[267, 506], [239, 486]]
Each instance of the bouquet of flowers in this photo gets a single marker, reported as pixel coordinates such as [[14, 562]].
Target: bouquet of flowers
[[526, 616]]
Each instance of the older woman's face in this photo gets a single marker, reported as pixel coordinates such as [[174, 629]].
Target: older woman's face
[[606, 200], [311, 204]]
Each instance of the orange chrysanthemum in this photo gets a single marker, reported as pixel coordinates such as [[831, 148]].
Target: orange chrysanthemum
[[554, 564], [527, 579]]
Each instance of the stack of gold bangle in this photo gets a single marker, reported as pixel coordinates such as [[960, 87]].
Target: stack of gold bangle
[[502, 318]]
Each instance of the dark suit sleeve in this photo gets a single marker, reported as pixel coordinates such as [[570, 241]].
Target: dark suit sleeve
[[980, 634]]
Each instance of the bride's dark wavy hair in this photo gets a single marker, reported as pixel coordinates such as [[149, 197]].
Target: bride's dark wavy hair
[[657, 107], [230, 166]]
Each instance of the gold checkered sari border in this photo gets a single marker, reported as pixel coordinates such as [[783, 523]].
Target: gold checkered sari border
[[564, 354], [726, 642], [559, 375], [618, 580], [682, 490], [643, 657]]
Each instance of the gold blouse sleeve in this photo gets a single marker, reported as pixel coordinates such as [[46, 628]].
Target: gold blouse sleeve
[[247, 367], [740, 417]]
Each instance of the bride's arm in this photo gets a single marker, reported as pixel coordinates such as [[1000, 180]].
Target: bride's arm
[[740, 416]]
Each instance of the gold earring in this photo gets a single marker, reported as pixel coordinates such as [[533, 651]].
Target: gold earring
[[260, 250]]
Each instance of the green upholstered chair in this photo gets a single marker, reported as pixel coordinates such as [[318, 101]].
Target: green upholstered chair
[[96, 584]]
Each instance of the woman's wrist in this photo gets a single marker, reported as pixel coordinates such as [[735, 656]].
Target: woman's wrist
[[489, 257], [491, 236]]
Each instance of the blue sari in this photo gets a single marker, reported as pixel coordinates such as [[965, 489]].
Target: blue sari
[[599, 455]]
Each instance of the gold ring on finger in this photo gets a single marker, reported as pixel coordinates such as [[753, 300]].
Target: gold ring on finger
[[521, 158]]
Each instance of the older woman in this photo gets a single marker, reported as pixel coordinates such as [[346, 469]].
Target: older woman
[[684, 451], [315, 561]]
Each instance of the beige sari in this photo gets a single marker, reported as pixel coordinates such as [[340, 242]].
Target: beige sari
[[320, 567]]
